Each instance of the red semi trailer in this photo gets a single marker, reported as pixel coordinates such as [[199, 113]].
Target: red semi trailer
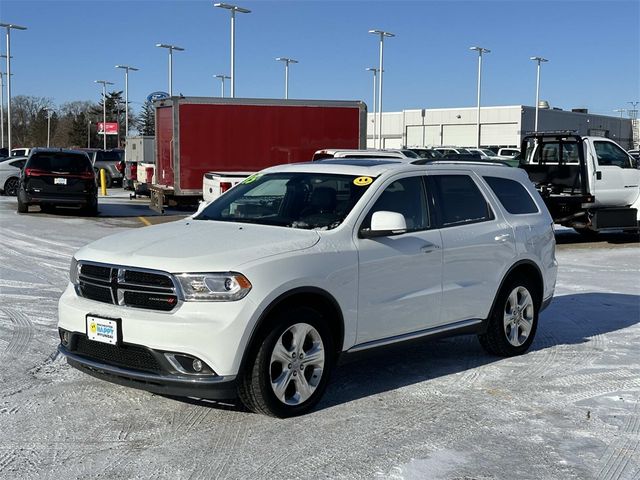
[[196, 135]]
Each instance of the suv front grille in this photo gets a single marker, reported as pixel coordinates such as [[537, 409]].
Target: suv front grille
[[127, 286]]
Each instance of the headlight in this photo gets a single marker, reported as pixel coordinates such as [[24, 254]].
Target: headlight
[[73, 271], [213, 287]]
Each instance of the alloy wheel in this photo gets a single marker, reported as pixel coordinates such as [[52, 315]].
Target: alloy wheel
[[297, 364]]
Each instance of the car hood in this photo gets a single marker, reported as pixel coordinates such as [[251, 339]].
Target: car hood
[[196, 245]]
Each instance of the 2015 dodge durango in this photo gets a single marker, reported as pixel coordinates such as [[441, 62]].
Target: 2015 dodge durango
[[257, 294]]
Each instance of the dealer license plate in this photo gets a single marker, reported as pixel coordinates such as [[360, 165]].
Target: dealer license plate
[[60, 181], [102, 330]]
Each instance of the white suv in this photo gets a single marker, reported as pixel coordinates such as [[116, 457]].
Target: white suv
[[258, 293]]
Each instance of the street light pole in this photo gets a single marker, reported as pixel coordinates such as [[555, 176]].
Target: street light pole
[[2, 109], [286, 61], [48, 127], [126, 96], [9, 26], [104, 110], [222, 77], [382, 35], [539, 60], [621, 111], [171, 48], [375, 83], [480, 51], [233, 9]]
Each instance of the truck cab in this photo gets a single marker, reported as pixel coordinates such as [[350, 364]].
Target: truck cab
[[588, 183]]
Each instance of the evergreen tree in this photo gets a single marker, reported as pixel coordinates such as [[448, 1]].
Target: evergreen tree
[[146, 122]]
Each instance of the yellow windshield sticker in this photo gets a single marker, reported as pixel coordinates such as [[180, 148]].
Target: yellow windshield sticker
[[362, 181], [252, 178]]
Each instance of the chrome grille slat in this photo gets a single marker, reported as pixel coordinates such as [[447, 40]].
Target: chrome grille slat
[[150, 290]]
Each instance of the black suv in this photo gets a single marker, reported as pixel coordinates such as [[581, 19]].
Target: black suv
[[58, 177]]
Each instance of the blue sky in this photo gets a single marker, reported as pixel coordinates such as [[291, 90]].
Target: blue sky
[[593, 48]]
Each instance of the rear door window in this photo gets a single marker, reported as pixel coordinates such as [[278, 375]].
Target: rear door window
[[459, 200], [512, 195]]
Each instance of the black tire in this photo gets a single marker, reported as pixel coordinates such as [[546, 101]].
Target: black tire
[[586, 233], [22, 206], [254, 384], [108, 180], [91, 210], [495, 340], [11, 186]]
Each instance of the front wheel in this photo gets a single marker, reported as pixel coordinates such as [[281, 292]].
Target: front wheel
[[513, 321], [288, 373]]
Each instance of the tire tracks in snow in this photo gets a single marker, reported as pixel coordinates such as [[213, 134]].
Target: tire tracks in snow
[[617, 458], [22, 332]]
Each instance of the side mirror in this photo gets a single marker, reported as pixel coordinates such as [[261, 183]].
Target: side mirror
[[385, 224]]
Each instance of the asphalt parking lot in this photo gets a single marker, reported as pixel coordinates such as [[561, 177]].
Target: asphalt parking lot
[[568, 409]]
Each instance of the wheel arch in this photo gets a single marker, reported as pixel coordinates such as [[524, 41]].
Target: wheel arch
[[529, 269], [315, 297]]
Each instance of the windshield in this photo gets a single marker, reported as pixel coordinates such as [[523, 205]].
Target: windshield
[[295, 200]]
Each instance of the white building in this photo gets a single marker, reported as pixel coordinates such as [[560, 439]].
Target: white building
[[499, 126]]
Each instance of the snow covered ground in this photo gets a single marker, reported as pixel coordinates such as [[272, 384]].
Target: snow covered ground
[[568, 409]]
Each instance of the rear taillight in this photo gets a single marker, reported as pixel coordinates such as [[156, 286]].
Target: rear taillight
[[224, 186], [34, 172], [120, 167], [86, 175]]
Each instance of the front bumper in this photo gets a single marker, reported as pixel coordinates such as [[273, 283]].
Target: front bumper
[[206, 386], [214, 332]]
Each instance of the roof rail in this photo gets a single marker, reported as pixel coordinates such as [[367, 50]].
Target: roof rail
[[430, 161]]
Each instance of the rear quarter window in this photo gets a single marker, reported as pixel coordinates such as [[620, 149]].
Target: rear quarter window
[[514, 198]]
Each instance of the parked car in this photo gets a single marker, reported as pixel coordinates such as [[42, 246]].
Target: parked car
[[329, 153], [20, 152], [426, 152], [490, 156], [10, 174], [109, 160], [258, 293], [55, 177], [508, 152], [453, 150]]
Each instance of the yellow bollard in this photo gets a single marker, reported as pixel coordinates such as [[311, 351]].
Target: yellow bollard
[[103, 181]]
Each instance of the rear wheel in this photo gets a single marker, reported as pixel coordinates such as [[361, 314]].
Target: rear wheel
[[23, 207], [513, 321], [288, 372], [91, 210], [11, 187]]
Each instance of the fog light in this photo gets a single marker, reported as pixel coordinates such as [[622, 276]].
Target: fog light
[[197, 365], [64, 337]]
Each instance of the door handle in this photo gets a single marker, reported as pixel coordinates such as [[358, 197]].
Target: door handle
[[429, 247], [502, 238], [598, 175]]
